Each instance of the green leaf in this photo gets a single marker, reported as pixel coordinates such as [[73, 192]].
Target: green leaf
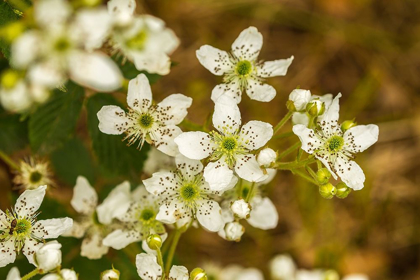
[[7, 15], [13, 133], [112, 153], [71, 160], [53, 122], [130, 72]]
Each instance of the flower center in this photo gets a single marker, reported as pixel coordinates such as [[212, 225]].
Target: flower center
[[229, 144], [22, 227], [147, 215], [138, 41], [35, 177], [243, 67], [62, 45], [335, 143], [189, 192], [146, 121]]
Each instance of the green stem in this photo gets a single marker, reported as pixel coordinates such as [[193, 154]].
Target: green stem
[[160, 261], [174, 244], [304, 176], [293, 164], [9, 161], [31, 274], [289, 150], [311, 172], [249, 195], [283, 135], [283, 121], [191, 125]]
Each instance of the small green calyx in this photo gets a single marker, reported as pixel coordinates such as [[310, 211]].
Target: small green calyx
[[146, 121], [35, 177], [147, 215], [346, 125], [335, 143], [342, 190], [243, 67], [198, 274], [138, 41], [229, 144]]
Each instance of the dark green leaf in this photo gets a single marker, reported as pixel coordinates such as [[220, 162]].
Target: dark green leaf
[[130, 72], [7, 15], [13, 133], [113, 154], [53, 122]]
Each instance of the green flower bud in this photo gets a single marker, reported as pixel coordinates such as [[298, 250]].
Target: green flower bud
[[342, 190], [198, 274], [323, 176], [327, 191], [331, 275], [315, 108], [348, 124], [154, 241]]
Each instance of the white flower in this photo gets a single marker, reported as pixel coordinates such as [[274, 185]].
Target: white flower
[[144, 121], [303, 274], [139, 221], [229, 147], [241, 70], [240, 208], [110, 274], [13, 274], [335, 148], [282, 267], [300, 98], [64, 274], [20, 230], [185, 195], [236, 272], [144, 39], [233, 231], [48, 257], [32, 174], [301, 117], [149, 269], [94, 229], [356, 277]]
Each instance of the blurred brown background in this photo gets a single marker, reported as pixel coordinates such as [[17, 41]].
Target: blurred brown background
[[369, 51]]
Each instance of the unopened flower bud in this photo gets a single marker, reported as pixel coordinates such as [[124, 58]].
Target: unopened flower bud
[[110, 274], [315, 108], [331, 275], [266, 157], [241, 209], [327, 191], [48, 257], [342, 190], [323, 176], [198, 274], [68, 274], [234, 231], [346, 125], [300, 98], [154, 241]]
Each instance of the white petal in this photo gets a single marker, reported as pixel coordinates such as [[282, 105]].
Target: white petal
[[274, 68], [226, 116], [218, 175], [156, 160], [69, 274], [84, 198], [178, 273], [25, 49], [147, 267], [215, 60], [300, 98], [53, 228], [160, 182], [7, 252], [170, 212], [195, 144], [330, 118], [112, 120], [306, 135], [231, 89], [30, 201], [95, 70], [78, 229], [13, 274], [248, 45], [173, 109], [52, 276], [164, 139], [121, 10], [152, 62], [116, 204], [350, 172], [282, 267], [119, 239], [92, 247], [260, 91], [29, 249], [46, 74], [44, 16], [188, 167], [359, 138], [266, 157], [264, 214], [300, 118], [139, 93], [247, 168], [255, 134], [209, 215]]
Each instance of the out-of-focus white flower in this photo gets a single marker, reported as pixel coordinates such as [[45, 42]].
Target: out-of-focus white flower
[[233, 231], [236, 272], [149, 269], [32, 173], [356, 277], [64, 274], [282, 267], [266, 157], [240, 208], [156, 124], [300, 98], [229, 147], [13, 274], [335, 148], [48, 257], [20, 230], [241, 70]]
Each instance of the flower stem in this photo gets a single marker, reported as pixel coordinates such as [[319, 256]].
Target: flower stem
[[249, 195], [293, 164], [171, 253], [304, 176], [8, 161], [31, 274], [160, 261], [289, 150], [282, 122]]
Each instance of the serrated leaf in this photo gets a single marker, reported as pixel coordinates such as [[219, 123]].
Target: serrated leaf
[[130, 72], [113, 154], [54, 122], [13, 133], [71, 160]]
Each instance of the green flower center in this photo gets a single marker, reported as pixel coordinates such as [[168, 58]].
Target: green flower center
[[146, 121], [189, 192], [147, 215], [243, 67], [229, 144], [62, 45], [22, 227], [335, 143], [137, 42], [35, 177]]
